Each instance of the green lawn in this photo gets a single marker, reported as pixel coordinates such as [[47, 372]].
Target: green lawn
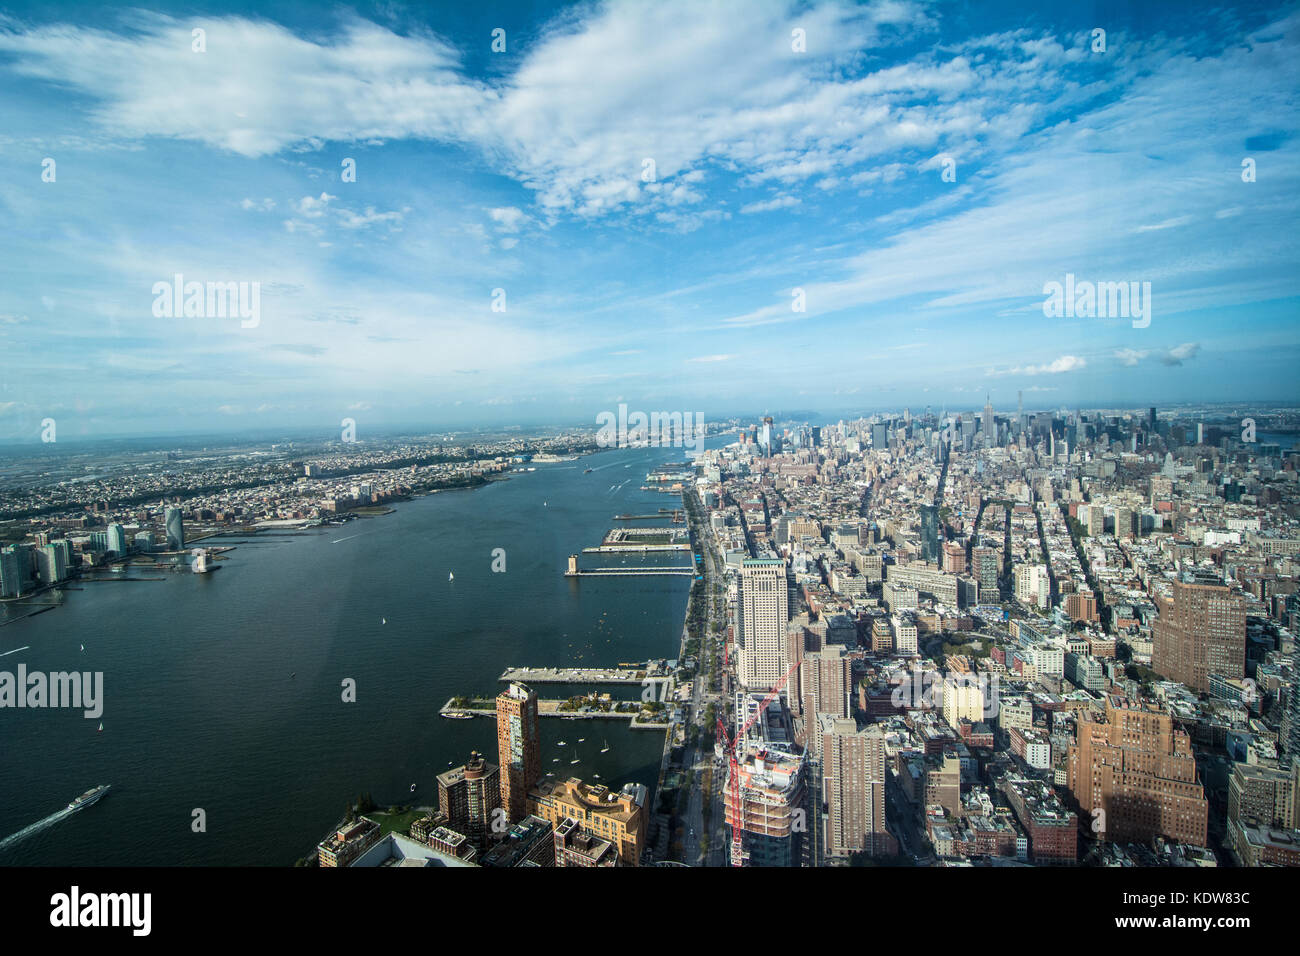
[[394, 822]]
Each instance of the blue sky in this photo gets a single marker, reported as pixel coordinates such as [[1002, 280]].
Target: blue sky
[[774, 170]]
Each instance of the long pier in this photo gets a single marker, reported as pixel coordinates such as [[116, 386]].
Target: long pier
[[641, 548], [579, 675], [625, 572], [551, 708]]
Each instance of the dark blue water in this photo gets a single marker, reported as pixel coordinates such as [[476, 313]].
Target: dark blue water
[[201, 711]]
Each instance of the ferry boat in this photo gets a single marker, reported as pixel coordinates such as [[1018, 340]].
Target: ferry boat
[[89, 797]]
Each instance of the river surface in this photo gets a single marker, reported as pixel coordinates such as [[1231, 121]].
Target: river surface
[[202, 708]]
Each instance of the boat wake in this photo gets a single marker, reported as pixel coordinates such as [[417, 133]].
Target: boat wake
[[35, 828]]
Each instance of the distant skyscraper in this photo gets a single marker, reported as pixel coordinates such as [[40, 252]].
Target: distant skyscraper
[[764, 613], [766, 436], [879, 436], [1151, 420], [175, 530], [990, 427], [930, 533], [518, 748], [116, 539], [12, 579]]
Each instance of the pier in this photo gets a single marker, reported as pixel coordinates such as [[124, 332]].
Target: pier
[[675, 514], [580, 675], [551, 708], [634, 548], [625, 572]]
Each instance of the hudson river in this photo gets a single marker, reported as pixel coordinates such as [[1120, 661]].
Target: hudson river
[[201, 710]]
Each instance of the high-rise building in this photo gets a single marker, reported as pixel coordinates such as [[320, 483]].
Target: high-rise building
[[989, 425], [825, 683], [1032, 585], [116, 539], [1096, 519], [51, 564], [853, 786], [518, 748], [765, 793], [880, 436], [1202, 631], [954, 557], [764, 611], [1264, 796], [469, 795], [930, 534], [963, 699], [984, 566], [1135, 767], [175, 529], [12, 579], [618, 817]]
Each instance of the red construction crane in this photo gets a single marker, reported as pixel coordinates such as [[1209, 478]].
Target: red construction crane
[[733, 765]]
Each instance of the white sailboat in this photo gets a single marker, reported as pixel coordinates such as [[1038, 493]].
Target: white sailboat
[[451, 576], [605, 749]]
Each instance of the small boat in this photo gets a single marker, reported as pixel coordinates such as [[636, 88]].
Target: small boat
[[563, 744], [101, 726], [582, 740], [412, 788], [83, 647], [605, 749], [450, 576], [555, 760], [291, 676], [573, 761], [587, 472], [383, 620]]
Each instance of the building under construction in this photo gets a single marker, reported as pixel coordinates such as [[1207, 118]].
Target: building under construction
[[767, 819]]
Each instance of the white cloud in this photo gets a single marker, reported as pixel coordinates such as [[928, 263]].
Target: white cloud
[[767, 205], [508, 218], [1181, 353], [1066, 363]]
